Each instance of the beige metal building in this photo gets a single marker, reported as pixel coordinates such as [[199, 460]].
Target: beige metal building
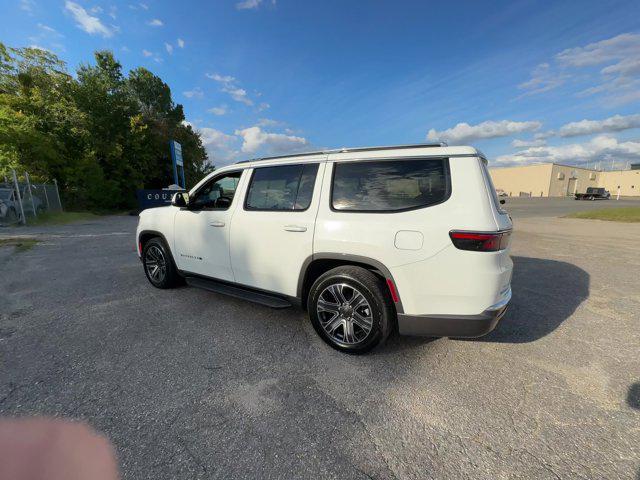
[[555, 180]]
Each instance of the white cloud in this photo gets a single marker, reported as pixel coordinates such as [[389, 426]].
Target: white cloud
[[537, 142], [147, 53], [230, 86], [113, 11], [619, 47], [463, 132], [544, 135], [144, 6], [49, 29], [238, 94], [96, 9], [47, 35], [268, 122], [221, 147], [169, 48], [542, 80], [91, 25], [27, 6], [612, 124], [225, 79], [263, 106], [211, 136], [617, 81], [195, 93], [255, 139], [156, 22], [248, 4], [601, 148], [181, 43], [221, 110], [625, 68]]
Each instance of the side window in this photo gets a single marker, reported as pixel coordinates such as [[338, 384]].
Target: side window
[[389, 185], [218, 193], [282, 188]]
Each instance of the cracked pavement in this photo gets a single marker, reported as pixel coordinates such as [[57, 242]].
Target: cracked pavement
[[191, 384]]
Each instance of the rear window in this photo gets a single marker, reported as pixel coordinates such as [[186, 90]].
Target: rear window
[[286, 187], [389, 185]]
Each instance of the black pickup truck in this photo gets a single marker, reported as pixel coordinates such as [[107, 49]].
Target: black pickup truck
[[594, 193]]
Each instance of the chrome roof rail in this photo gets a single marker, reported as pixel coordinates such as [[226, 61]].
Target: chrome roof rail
[[347, 150]]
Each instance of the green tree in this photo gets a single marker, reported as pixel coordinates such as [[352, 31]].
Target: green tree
[[102, 135]]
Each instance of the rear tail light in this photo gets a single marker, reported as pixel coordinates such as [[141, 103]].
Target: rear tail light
[[481, 241]]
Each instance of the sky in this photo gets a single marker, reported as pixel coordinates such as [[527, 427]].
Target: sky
[[524, 81]]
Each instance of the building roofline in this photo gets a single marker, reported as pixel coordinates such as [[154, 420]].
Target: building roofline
[[553, 164]]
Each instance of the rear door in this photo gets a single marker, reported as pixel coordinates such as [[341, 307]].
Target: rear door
[[272, 232]]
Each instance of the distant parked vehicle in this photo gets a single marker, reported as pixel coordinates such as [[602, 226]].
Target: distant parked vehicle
[[593, 193], [9, 209]]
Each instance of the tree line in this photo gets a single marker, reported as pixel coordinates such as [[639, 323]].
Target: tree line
[[100, 133]]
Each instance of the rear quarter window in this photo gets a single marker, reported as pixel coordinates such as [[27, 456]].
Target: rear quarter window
[[389, 185]]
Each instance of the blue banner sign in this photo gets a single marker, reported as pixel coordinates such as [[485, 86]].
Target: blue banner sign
[[178, 163], [155, 198]]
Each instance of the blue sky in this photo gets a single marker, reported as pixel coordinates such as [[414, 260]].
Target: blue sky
[[524, 81]]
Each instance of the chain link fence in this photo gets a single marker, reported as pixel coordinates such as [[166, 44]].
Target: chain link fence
[[22, 201]]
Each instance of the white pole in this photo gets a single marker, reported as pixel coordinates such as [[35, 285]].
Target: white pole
[[15, 181], [58, 193], [33, 204], [46, 197]]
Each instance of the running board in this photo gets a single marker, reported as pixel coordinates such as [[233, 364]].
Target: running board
[[262, 298]]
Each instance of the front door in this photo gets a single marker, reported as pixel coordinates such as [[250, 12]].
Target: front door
[[272, 233], [202, 230]]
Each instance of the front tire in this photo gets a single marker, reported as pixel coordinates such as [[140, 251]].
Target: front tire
[[158, 264], [351, 309]]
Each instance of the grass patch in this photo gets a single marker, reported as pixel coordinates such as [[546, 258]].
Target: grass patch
[[60, 218], [21, 244], [623, 214]]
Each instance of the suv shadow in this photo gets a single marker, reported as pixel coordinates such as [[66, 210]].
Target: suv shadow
[[545, 294]]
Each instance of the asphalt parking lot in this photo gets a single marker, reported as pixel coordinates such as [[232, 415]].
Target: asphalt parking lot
[[190, 384]]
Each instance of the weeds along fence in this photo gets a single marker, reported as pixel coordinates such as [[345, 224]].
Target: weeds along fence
[[22, 201]]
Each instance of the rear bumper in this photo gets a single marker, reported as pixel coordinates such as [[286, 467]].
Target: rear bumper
[[454, 325]]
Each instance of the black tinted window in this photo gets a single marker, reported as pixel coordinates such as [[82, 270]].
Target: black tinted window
[[287, 187], [219, 188], [389, 185]]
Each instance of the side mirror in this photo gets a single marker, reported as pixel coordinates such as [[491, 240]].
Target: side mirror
[[223, 202], [180, 199]]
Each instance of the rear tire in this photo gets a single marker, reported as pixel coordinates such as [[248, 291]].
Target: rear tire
[[158, 264], [351, 309]]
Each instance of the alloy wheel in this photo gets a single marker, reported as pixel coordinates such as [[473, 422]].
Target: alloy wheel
[[155, 264], [344, 313]]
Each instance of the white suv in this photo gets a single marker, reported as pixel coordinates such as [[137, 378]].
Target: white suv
[[365, 239]]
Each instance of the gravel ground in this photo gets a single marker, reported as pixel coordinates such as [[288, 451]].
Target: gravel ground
[[190, 384]]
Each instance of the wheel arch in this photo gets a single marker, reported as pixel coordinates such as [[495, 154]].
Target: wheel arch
[[319, 263], [145, 235]]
